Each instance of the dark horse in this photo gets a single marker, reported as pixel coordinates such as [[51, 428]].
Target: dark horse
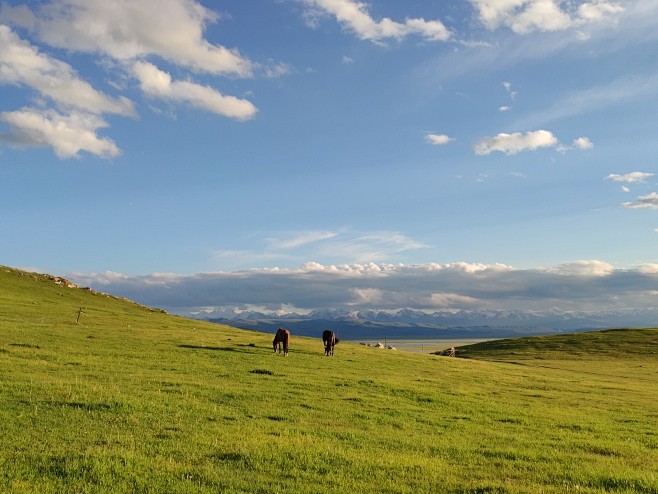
[[282, 337], [329, 339]]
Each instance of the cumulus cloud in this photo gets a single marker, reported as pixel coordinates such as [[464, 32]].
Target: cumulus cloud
[[22, 64], [584, 268], [438, 139], [133, 29], [515, 143], [354, 16], [124, 33], [581, 285], [72, 126], [66, 134], [650, 268], [583, 143], [648, 201], [631, 178], [159, 84], [525, 16]]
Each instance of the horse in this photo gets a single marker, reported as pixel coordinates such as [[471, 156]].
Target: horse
[[282, 337], [329, 339]]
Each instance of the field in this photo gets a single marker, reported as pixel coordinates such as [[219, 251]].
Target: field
[[102, 395]]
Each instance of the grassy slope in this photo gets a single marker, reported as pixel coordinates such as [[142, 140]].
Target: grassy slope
[[133, 400], [612, 344]]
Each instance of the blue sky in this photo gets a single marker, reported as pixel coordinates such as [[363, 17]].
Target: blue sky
[[297, 138]]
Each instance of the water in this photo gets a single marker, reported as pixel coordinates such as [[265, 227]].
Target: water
[[425, 345]]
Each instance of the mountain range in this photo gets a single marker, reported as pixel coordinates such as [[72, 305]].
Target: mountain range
[[409, 323]]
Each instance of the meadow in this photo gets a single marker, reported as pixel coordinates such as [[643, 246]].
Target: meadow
[[101, 395]]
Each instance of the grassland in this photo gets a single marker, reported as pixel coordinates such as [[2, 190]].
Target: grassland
[[129, 399]]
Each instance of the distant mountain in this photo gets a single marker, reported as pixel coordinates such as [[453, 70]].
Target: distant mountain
[[409, 323]]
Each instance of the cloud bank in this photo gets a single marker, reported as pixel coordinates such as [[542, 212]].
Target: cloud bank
[[582, 285]]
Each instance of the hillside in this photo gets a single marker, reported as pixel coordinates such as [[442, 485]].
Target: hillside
[[613, 344], [131, 399]]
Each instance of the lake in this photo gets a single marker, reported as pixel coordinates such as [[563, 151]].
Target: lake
[[425, 345]]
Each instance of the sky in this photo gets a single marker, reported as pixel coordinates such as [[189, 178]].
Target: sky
[[297, 154]]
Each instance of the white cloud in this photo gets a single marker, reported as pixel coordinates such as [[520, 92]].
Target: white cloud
[[515, 143], [438, 139], [584, 268], [452, 300], [631, 178], [132, 29], [274, 70], [21, 63], [504, 108], [598, 10], [354, 16], [379, 245], [157, 83], [649, 268], [583, 143], [473, 267], [525, 16], [301, 239], [124, 32], [648, 201], [296, 246], [368, 296], [66, 134]]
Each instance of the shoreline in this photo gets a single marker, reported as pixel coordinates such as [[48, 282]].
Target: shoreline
[[422, 345]]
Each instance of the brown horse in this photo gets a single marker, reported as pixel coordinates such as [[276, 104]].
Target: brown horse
[[282, 337], [329, 339]]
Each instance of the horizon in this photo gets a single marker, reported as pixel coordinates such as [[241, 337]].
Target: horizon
[[461, 155]]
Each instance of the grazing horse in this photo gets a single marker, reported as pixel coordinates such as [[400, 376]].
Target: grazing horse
[[329, 339], [282, 337]]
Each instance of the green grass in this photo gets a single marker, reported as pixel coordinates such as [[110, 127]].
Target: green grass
[[130, 399]]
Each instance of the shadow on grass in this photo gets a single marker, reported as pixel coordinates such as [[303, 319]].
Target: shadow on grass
[[211, 348], [113, 406], [245, 347]]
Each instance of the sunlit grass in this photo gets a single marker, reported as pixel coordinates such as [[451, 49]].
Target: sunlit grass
[[133, 400]]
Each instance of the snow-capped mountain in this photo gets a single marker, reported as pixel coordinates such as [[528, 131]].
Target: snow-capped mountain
[[408, 322]]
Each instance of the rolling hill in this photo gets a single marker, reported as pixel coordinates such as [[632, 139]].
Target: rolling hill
[[99, 394]]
